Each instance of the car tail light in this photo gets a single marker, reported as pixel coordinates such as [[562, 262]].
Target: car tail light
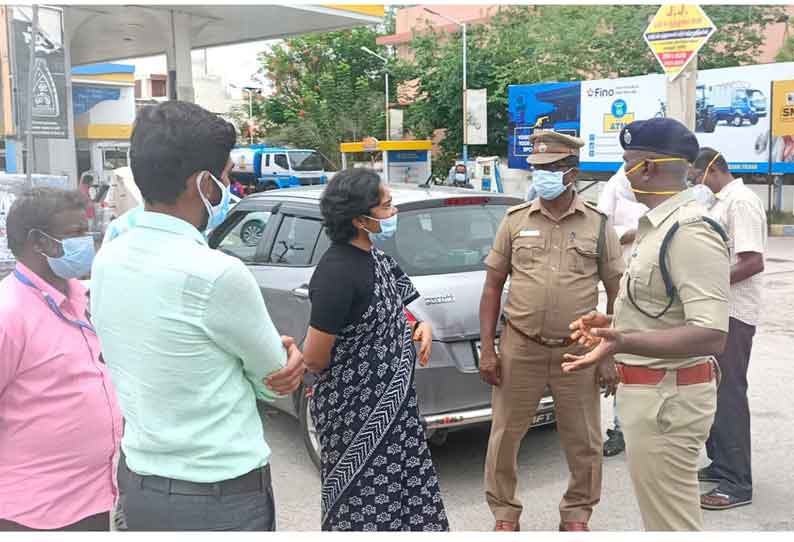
[[451, 202], [411, 318]]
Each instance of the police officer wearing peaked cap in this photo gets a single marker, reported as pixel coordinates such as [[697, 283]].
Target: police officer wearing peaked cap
[[556, 249], [671, 318]]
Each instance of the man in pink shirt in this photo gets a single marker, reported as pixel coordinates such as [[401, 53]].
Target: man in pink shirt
[[60, 425]]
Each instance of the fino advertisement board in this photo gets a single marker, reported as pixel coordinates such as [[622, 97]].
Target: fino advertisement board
[[732, 111]]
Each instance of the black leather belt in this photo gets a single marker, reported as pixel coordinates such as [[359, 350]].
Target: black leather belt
[[256, 481]]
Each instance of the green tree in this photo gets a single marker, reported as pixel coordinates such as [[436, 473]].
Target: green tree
[[531, 44], [327, 90]]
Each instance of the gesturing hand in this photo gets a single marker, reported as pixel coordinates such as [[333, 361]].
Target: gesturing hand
[[583, 326], [609, 343]]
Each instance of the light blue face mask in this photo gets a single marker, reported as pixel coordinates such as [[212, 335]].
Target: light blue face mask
[[549, 184], [78, 255], [388, 227], [217, 213]]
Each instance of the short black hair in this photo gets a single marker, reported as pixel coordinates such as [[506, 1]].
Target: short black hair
[[350, 194], [172, 141], [34, 209], [706, 155]]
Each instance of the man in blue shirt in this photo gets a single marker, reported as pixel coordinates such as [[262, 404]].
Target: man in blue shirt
[[167, 310]]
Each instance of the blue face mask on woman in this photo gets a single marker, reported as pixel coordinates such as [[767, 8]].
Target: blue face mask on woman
[[549, 184], [78, 255], [388, 227]]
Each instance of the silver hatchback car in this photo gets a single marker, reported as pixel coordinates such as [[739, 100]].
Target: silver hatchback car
[[443, 236]]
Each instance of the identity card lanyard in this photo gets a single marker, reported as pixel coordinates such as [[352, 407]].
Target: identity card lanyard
[[52, 304]]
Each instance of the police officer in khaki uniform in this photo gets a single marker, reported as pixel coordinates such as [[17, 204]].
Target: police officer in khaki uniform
[[555, 249], [670, 318]]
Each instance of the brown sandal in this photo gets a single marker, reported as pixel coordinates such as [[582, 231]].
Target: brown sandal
[[502, 525]]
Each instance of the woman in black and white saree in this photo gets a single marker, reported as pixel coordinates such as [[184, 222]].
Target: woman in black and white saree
[[376, 469]]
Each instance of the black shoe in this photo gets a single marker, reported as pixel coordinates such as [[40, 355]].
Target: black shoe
[[707, 475], [614, 444]]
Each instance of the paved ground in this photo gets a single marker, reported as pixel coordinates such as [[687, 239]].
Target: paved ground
[[543, 469]]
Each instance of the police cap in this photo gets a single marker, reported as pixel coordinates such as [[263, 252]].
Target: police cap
[[549, 146], [661, 136]]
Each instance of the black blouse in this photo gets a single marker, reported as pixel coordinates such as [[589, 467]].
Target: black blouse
[[341, 288]]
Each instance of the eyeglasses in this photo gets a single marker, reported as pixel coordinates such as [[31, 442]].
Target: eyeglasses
[[97, 236]]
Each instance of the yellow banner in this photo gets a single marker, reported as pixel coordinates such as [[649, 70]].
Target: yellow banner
[[675, 35], [782, 108]]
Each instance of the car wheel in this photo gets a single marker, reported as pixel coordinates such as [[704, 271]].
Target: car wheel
[[754, 120], [709, 125], [269, 186], [251, 232], [310, 437], [738, 120]]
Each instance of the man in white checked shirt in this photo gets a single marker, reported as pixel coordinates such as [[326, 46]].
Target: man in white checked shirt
[[742, 215]]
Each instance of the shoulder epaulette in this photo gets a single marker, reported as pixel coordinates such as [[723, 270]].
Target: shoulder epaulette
[[524, 205], [594, 208]]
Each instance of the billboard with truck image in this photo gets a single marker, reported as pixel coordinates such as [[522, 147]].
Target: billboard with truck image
[[732, 112]]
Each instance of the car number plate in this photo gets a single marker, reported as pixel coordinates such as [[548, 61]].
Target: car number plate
[[542, 419]]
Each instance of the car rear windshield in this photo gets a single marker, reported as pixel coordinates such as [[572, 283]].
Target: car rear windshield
[[306, 161], [448, 239]]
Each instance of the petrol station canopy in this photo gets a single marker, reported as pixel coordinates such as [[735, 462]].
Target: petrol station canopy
[[100, 33]]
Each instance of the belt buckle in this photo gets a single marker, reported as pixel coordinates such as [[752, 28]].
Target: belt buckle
[[551, 342]]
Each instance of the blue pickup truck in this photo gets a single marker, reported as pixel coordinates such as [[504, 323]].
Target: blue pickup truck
[[269, 168], [732, 103]]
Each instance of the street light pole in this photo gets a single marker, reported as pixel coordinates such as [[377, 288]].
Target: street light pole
[[386, 77], [250, 116], [462, 25], [465, 107]]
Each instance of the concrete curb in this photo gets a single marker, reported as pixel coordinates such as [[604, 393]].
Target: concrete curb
[[782, 230]]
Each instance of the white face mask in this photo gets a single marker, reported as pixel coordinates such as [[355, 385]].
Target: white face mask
[[624, 186], [704, 195], [216, 213]]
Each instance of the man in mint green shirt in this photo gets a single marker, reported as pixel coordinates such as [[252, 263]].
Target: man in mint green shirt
[[187, 339]]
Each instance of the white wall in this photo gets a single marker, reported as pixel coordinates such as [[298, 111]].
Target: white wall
[[210, 92]]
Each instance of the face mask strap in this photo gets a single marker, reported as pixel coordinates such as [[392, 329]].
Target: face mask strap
[[656, 160], [706, 171], [652, 193], [204, 199]]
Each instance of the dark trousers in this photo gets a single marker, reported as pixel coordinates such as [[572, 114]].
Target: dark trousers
[[728, 445], [152, 503], [98, 522]]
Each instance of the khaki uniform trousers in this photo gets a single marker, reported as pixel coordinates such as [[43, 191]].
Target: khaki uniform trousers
[[665, 427], [527, 368]]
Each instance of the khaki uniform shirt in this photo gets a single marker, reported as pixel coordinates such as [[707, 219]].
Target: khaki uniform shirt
[[553, 265], [697, 259]]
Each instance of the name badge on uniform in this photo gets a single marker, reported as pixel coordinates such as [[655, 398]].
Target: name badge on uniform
[[529, 233]]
